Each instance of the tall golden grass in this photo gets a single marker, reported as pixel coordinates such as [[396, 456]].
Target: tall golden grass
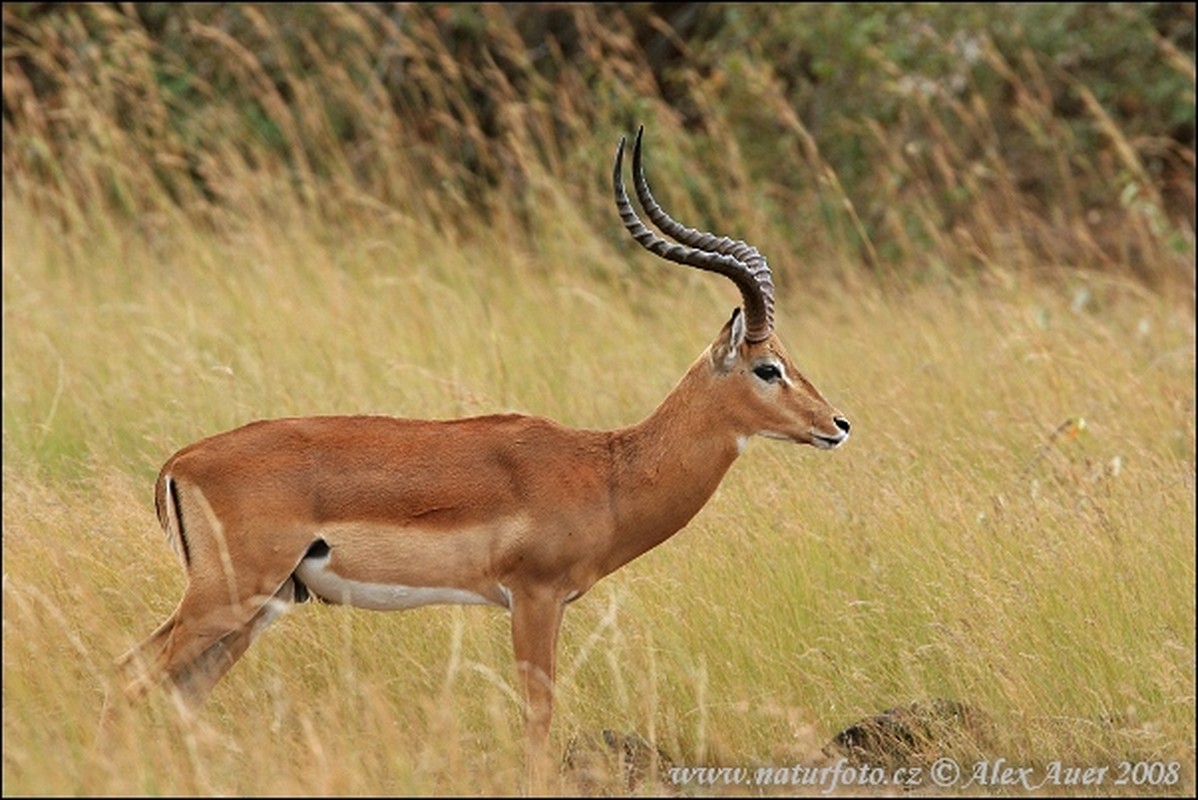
[[1011, 526]]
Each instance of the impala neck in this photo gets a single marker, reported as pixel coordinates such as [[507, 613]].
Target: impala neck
[[665, 468]]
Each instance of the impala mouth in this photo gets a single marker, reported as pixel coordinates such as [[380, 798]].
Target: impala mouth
[[814, 439], [824, 442], [827, 442]]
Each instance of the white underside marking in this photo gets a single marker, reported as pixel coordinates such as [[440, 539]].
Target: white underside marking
[[328, 585], [741, 443]]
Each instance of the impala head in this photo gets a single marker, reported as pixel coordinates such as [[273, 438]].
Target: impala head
[[752, 377]]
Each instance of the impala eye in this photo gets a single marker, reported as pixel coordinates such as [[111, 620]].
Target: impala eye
[[768, 372]]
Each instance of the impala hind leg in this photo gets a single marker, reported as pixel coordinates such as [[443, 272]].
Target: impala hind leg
[[195, 679], [205, 636], [143, 661]]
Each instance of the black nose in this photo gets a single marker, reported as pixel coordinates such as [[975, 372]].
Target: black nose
[[842, 423]]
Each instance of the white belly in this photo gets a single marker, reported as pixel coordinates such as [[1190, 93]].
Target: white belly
[[328, 585]]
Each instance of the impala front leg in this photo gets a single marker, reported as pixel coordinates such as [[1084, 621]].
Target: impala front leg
[[536, 619]]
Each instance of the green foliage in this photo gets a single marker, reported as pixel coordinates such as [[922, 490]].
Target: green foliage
[[911, 133]]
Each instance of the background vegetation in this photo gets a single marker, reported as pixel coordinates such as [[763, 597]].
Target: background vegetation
[[981, 222]]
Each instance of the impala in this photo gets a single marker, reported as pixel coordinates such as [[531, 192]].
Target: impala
[[507, 510]]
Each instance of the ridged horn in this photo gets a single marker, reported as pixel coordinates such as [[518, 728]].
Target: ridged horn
[[736, 260]]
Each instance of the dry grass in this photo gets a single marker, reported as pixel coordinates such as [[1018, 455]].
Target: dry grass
[[1011, 526], [964, 544]]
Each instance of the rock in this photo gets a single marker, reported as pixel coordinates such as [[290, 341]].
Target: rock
[[915, 734]]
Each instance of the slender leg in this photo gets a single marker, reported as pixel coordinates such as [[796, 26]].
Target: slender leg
[[536, 619], [201, 640], [196, 679], [134, 662]]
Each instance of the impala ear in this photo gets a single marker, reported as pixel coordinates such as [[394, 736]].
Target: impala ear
[[727, 346]]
